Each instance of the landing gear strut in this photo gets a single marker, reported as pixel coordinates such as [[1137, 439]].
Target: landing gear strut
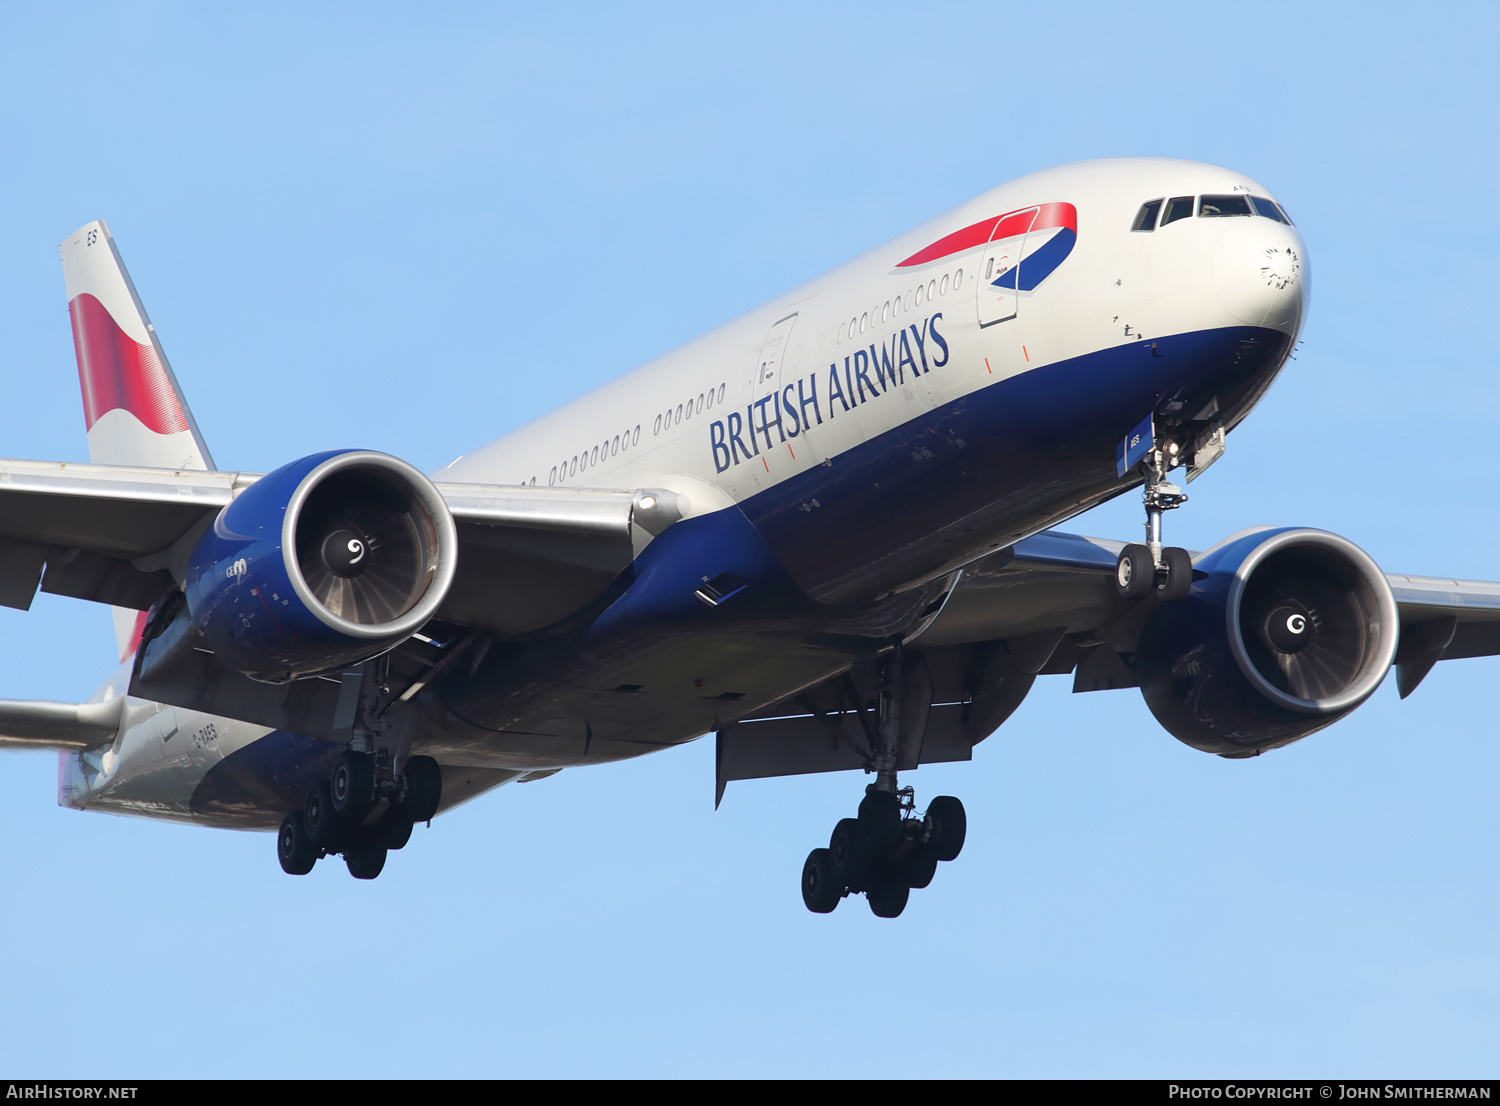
[[887, 851], [1144, 569]]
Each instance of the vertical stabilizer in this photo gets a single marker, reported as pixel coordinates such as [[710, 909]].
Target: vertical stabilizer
[[132, 406]]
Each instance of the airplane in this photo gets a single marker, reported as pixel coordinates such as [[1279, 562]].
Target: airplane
[[824, 533]]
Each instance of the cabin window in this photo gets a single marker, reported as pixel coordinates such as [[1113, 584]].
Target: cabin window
[[919, 295], [1215, 207], [1267, 208], [1145, 218], [573, 468], [931, 289], [958, 280], [635, 435], [721, 393], [944, 289], [1178, 207], [552, 476], [614, 447], [656, 429]]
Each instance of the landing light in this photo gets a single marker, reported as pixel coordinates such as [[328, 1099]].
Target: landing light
[[647, 502]]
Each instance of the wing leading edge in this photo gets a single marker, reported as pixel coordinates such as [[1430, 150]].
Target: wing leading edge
[[120, 535], [1063, 582]]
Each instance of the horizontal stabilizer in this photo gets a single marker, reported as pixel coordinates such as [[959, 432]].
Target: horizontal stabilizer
[[32, 724]]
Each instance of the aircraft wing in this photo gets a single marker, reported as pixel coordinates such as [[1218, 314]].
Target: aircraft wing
[[1057, 589], [1047, 605], [119, 535]]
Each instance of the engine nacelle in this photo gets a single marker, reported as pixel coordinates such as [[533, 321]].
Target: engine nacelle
[[326, 562], [1290, 631]]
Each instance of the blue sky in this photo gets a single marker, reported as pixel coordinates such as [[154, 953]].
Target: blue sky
[[413, 230]]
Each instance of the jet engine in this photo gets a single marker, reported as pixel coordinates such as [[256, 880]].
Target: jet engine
[[1284, 632], [324, 563]]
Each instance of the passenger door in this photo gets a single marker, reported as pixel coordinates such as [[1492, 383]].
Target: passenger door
[[772, 353], [999, 266]]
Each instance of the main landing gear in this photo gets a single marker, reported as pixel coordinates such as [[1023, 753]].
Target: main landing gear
[[359, 812], [1144, 569], [887, 851]]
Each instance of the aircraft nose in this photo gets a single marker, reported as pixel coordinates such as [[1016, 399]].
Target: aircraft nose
[[1261, 273]]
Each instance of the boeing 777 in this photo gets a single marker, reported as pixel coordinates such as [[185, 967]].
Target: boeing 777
[[822, 533]]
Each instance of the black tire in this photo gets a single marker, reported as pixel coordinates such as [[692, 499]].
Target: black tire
[[365, 862], [879, 823], [352, 785], [394, 828], [947, 826], [1179, 578], [887, 896], [821, 889], [920, 868], [424, 788], [1135, 572], [847, 854], [324, 827], [296, 853]]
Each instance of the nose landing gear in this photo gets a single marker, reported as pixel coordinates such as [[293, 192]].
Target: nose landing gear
[[1142, 570]]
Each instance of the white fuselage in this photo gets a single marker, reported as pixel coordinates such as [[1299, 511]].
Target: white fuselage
[[710, 420]]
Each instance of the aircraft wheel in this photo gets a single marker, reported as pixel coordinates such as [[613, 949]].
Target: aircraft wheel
[[296, 853], [424, 788], [947, 826], [879, 823], [1135, 573], [394, 828], [1179, 578], [365, 862], [821, 888], [920, 869], [887, 895], [847, 856], [352, 785], [323, 825]]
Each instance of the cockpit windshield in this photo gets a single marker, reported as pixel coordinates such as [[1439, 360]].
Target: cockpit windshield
[[1269, 209], [1209, 207], [1178, 207], [1217, 206], [1145, 219]]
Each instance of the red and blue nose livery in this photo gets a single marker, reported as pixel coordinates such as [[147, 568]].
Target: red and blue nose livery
[[1026, 245]]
